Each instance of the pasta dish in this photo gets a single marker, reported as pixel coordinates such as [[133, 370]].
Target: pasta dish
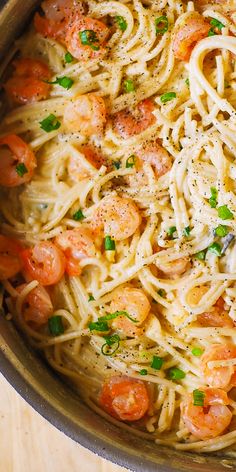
[[118, 209]]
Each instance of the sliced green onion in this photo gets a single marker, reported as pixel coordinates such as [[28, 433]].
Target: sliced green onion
[[224, 213], [91, 298], [198, 397], [50, 123], [117, 164], [221, 231], [110, 341], [21, 169], [176, 374], [68, 57], [55, 325], [143, 372], [213, 199], [166, 97], [161, 24], [162, 292], [170, 231], [215, 248], [187, 82], [201, 255], [64, 82], [98, 326], [186, 231], [88, 38], [109, 244], [78, 215], [130, 162], [217, 24], [121, 22], [129, 86], [157, 363], [112, 316], [211, 32], [197, 351]]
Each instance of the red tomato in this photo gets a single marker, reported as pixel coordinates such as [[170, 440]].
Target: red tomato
[[125, 398], [44, 262]]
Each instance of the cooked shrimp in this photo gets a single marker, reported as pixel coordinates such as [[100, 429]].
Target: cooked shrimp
[[210, 420], [10, 263], [37, 305], [128, 124], [76, 244], [79, 169], [191, 29], [218, 316], [85, 38], [27, 84], [219, 377], [44, 262], [17, 161], [174, 268], [86, 114], [57, 15], [124, 398], [136, 304], [119, 217]]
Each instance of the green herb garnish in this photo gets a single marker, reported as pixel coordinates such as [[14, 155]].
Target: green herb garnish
[[21, 169], [215, 248], [117, 164], [129, 86], [112, 316], [91, 298], [55, 325], [224, 213], [186, 231], [143, 372], [170, 231], [64, 82], [176, 374], [109, 244], [88, 38], [198, 397], [213, 199], [50, 123], [217, 24], [78, 215], [187, 82], [197, 351], [166, 97], [162, 292], [112, 340], [157, 363], [221, 231], [161, 24], [98, 326], [68, 57], [201, 255], [130, 162], [121, 22]]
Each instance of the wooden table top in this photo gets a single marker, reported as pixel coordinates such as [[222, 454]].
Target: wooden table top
[[30, 444]]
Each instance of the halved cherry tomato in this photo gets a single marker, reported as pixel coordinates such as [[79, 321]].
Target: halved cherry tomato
[[124, 398], [10, 263], [44, 262], [17, 161]]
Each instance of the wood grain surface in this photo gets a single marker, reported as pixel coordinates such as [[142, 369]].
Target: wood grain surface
[[28, 443]]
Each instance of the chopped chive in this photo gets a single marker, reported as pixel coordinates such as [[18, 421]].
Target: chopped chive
[[64, 82], [198, 397], [176, 374], [197, 351], [50, 123], [112, 316], [161, 24], [221, 231], [157, 363], [98, 326], [224, 213], [68, 57], [121, 22], [109, 244], [55, 325], [110, 341], [130, 162], [78, 215], [91, 298], [213, 199], [162, 292], [201, 255], [21, 169], [143, 372], [117, 164], [88, 38], [217, 24], [211, 32], [170, 231], [215, 248], [129, 86], [187, 82], [186, 231], [166, 97]]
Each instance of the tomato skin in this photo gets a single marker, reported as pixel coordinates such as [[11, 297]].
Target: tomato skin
[[124, 398], [13, 151], [10, 263], [44, 262]]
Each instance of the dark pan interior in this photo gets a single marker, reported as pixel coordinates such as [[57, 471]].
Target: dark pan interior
[[49, 395]]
